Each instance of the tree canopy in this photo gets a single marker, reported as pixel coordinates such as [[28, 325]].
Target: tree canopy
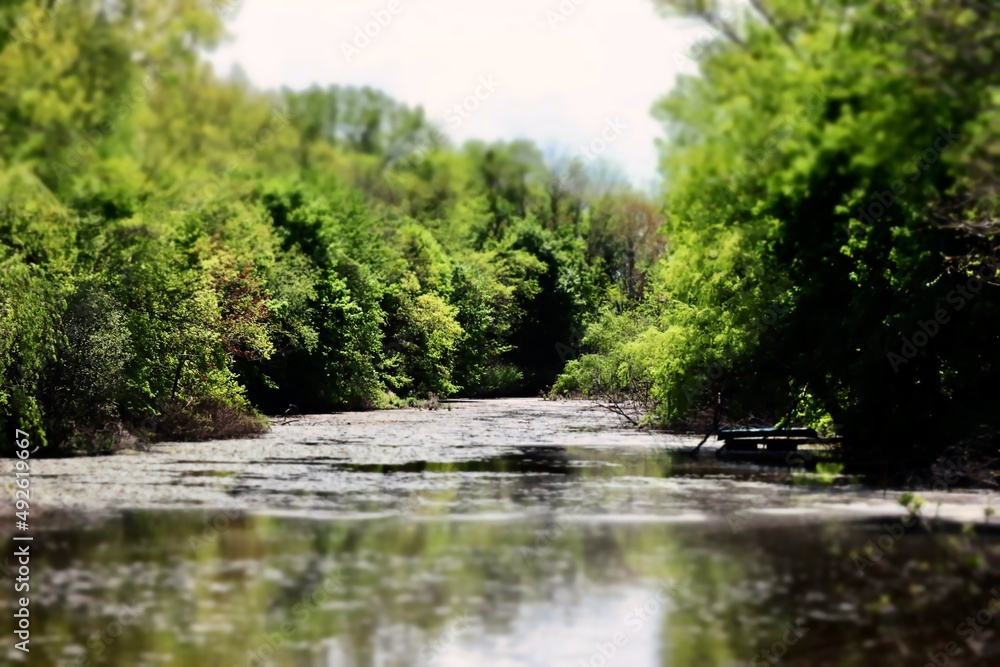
[[180, 250], [831, 221]]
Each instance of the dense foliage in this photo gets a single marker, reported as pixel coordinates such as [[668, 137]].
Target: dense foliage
[[832, 199], [180, 251]]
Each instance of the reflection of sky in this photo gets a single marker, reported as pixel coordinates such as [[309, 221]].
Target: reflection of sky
[[565, 632], [559, 83]]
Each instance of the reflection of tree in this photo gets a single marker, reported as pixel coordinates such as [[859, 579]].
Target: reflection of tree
[[408, 585], [745, 592], [233, 596]]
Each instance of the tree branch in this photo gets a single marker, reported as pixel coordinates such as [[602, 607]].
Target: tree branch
[[769, 19]]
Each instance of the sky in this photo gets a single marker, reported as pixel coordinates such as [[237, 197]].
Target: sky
[[567, 74]]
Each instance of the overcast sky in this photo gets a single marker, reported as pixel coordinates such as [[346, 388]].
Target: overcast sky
[[560, 81]]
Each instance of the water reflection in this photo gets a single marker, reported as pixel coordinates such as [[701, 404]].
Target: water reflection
[[166, 588]]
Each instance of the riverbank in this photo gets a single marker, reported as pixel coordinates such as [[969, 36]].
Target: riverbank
[[321, 464]]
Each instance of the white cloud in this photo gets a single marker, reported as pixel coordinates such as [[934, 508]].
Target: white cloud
[[559, 84]]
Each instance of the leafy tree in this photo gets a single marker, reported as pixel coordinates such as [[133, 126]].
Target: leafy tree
[[811, 164], [180, 250]]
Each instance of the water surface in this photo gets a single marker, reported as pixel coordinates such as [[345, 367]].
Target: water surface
[[510, 533]]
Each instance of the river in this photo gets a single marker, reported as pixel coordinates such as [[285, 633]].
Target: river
[[514, 532]]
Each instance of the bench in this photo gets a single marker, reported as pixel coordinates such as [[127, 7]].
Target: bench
[[766, 439]]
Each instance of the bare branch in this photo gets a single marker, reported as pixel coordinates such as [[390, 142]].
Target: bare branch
[[781, 31]]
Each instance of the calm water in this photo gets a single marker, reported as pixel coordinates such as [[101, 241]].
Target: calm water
[[398, 539]]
